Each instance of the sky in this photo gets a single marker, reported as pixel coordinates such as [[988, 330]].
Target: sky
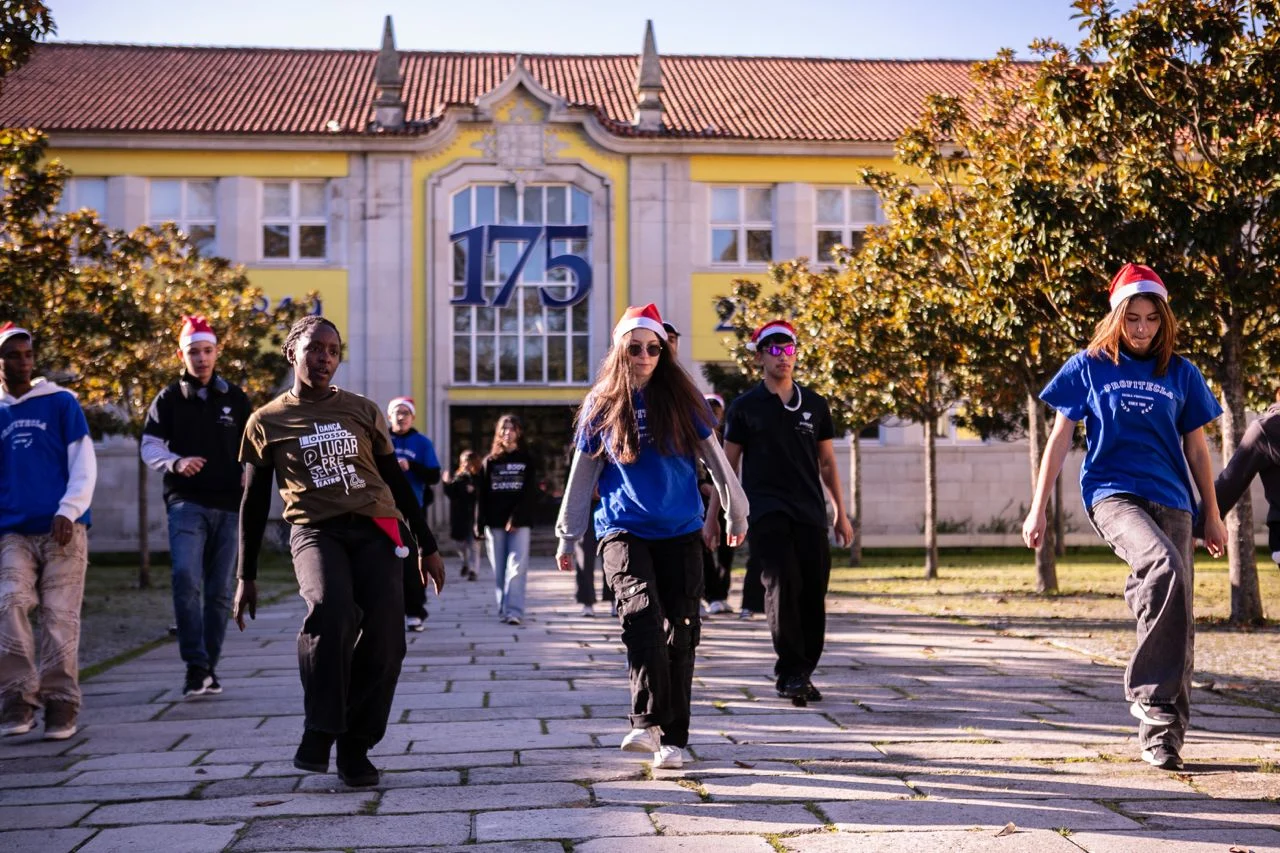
[[967, 29]]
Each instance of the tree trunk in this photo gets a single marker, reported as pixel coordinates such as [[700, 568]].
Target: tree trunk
[[855, 497], [1246, 600], [144, 547], [1059, 520], [930, 499], [1046, 556]]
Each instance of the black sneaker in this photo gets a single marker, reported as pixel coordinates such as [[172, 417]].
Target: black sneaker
[[1162, 756], [197, 682], [214, 687], [313, 752], [354, 767], [812, 694], [794, 687], [1154, 715]]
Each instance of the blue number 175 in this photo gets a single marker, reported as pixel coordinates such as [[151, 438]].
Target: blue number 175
[[480, 242]]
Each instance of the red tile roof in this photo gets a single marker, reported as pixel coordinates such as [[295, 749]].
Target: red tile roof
[[144, 89]]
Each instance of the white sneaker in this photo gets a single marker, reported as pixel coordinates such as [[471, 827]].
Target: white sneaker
[[643, 740], [588, 611], [413, 623], [668, 758]]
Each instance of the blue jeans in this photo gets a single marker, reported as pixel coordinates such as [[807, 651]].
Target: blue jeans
[[509, 556], [202, 546]]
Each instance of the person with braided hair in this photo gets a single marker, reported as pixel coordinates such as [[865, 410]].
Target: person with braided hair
[[344, 495]]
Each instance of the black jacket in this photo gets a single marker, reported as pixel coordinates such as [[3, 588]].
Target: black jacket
[[208, 425]]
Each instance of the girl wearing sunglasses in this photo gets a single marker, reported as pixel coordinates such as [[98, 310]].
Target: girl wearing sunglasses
[[640, 434]]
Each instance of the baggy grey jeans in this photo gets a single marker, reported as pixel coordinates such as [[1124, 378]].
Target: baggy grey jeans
[[37, 571], [1156, 542]]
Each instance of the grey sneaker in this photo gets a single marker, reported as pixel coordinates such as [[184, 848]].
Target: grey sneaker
[[18, 718], [60, 720], [1162, 756], [1154, 715]]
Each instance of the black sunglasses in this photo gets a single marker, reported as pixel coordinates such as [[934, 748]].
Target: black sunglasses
[[654, 350]]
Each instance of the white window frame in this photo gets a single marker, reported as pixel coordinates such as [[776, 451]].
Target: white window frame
[[849, 225], [73, 190], [295, 221], [742, 225], [184, 220], [574, 338]]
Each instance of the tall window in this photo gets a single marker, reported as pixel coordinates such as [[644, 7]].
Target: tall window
[[842, 215], [295, 221], [741, 225], [79, 193], [523, 341], [191, 205]]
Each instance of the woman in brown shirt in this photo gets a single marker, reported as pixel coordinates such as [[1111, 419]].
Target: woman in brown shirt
[[344, 494]]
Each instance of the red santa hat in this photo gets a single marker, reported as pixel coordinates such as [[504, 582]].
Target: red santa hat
[[1134, 279], [397, 402], [9, 330], [391, 527], [773, 327], [640, 318], [196, 329]]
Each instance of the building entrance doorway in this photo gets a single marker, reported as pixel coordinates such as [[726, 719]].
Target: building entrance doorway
[[548, 433]]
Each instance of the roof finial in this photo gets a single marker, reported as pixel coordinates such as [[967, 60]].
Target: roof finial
[[648, 114], [388, 108]]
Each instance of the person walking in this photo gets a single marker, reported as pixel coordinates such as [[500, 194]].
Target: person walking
[[48, 469], [506, 499], [1257, 456], [781, 433], [461, 488], [344, 495], [717, 563], [640, 433], [417, 457], [192, 435], [1144, 408]]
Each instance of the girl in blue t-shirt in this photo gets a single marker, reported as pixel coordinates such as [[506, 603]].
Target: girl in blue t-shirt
[[640, 434], [1144, 409]]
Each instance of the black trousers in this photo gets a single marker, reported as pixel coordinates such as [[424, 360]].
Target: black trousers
[[658, 585], [752, 583], [352, 640], [584, 560], [794, 561], [415, 594]]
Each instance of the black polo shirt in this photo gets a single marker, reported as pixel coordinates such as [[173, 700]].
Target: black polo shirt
[[202, 421], [780, 451]]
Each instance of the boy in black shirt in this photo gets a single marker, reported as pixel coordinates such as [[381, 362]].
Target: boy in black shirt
[[782, 434], [192, 435]]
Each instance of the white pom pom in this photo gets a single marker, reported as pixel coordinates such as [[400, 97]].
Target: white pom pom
[[402, 551]]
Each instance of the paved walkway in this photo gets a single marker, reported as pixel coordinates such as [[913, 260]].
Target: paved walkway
[[933, 736]]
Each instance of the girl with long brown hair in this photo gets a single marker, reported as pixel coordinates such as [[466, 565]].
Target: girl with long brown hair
[[506, 495], [1144, 408], [640, 433]]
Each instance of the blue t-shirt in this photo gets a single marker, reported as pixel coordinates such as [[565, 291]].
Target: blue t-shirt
[[416, 447], [1134, 423], [655, 497], [36, 434]]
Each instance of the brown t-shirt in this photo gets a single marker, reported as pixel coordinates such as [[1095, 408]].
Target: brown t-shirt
[[323, 452]]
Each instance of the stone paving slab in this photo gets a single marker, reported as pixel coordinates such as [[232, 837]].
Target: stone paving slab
[[43, 840], [932, 736], [366, 831], [177, 838], [1194, 841]]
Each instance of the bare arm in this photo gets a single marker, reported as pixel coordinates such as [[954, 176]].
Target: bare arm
[[1055, 452], [1197, 452], [831, 479]]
